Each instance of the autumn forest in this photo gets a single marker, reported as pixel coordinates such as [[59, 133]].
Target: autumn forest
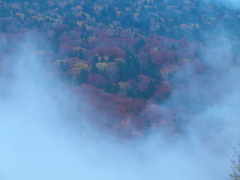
[[127, 56]]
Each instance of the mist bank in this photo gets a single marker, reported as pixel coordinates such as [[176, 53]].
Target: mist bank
[[40, 140]]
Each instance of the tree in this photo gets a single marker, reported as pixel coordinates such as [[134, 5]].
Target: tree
[[94, 68], [101, 67], [97, 80], [82, 78], [174, 48], [235, 165], [139, 44], [112, 72], [63, 66], [111, 88], [80, 54]]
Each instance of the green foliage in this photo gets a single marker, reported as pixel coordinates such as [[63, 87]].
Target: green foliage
[[81, 55], [63, 66], [111, 88], [94, 68], [162, 98], [129, 69], [111, 59], [88, 8], [174, 48], [95, 60], [142, 94], [82, 77], [139, 44], [151, 69], [83, 28], [176, 58]]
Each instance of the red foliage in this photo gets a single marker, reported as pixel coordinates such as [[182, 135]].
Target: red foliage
[[111, 51], [59, 27], [143, 81], [103, 35], [151, 43], [162, 57], [97, 80], [157, 116]]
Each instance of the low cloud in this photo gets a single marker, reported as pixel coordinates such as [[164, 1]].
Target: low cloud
[[39, 139]]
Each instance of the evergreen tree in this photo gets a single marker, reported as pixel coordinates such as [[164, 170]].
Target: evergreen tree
[[82, 77], [176, 58], [94, 68], [111, 59], [63, 67], [95, 59], [139, 44], [174, 48], [80, 54], [151, 69], [111, 88]]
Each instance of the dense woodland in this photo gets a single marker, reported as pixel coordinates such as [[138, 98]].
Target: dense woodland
[[123, 55]]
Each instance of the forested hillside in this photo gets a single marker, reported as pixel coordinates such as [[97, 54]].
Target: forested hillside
[[124, 55]]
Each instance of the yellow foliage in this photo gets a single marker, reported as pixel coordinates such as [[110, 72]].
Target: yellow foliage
[[57, 62], [197, 26], [106, 57], [79, 8], [212, 19], [184, 26], [135, 15], [168, 70], [79, 23], [21, 15], [111, 63], [80, 66], [40, 18], [101, 66], [227, 17], [48, 17], [77, 48], [209, 23], [155, 48], [120, 60], [86, 14], [124, 86], [92, 38], [77, 67]]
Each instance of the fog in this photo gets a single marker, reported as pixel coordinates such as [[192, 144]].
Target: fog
[[230, 3], [39, 141]]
